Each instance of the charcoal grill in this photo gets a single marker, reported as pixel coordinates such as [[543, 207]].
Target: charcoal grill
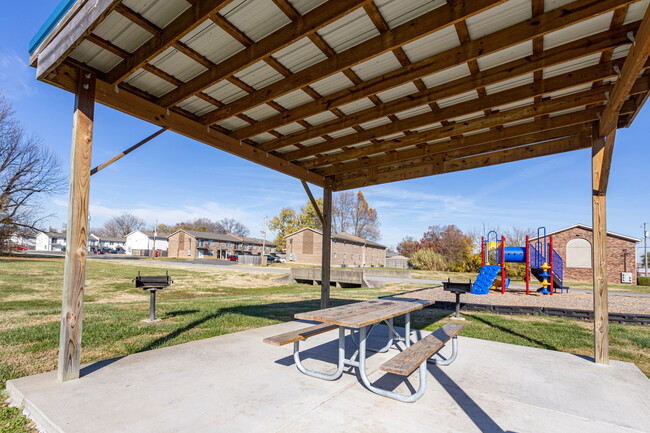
[[152, 284], [457, 288]]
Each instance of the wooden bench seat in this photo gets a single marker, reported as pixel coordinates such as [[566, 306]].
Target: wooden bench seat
[[300, 334], [412, 357]]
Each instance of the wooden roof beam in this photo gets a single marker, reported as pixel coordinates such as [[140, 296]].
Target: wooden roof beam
[[518, 33], [462, 85], [634, 62], [134, 105], [458, 146], [439, 165], [421, 138], [182, 25], [423, 25], [304, 26], [590, 96]]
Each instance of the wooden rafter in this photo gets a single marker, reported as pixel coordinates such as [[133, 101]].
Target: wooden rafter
[[510, 36], [494, 119], [450, 89], [438, 165], [264, 48], [396, 37], [130, 103], [182, 25], [634, 62]]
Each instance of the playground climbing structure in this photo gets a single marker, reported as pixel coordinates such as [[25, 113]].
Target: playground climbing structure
[[541, 260]]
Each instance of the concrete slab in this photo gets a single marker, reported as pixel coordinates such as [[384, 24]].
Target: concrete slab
[[237, 383]]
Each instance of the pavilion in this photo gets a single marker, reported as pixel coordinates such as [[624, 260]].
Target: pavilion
[[349, 93]]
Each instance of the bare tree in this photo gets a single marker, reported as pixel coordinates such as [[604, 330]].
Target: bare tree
[[364, 219], [28, 172], [342, 209], [122, 225], [231, 225]]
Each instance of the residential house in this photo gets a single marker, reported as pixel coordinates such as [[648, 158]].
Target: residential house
[[191, 244], [25, 239], [50, 241], [99, 242], [574, 245], [306, 246], [141, 243], [253, 246]]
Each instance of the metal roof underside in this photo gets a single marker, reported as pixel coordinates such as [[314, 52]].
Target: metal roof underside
[[381, 91]]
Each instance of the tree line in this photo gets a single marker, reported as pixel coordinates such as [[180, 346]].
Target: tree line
[[122, 225], [448, 248], [350, 213]]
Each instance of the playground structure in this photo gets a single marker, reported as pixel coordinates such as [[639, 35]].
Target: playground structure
[[541, 260]]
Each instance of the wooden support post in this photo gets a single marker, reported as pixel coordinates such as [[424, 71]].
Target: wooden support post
[[602, 149], [77, 230], [327, 248]]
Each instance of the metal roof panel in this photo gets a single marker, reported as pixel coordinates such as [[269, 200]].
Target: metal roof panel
[[498, 17], [213, 42], [331, 84], [225, 92], [95, 57], [159, 12], [256, 18], [293, 99], [579, 30], [259, 75], [150, 83], [449, 74], [504, 56], [177, 64], [377, 66], [299, 55], [397, 12], [397, 92], [349, 31], [432, 44], [122, 32], [261, 112]]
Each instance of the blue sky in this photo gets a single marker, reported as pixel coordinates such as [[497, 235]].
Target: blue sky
[[173, 178]]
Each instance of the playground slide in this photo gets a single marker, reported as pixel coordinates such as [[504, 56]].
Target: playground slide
[[485, 279]]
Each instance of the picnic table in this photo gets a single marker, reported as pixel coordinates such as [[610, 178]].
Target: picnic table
[[361, 318]]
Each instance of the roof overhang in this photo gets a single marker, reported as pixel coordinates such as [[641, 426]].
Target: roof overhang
[[351, 93]]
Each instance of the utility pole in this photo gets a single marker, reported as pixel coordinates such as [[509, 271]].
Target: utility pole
[[155, 233], [264, 244], [645, 247]]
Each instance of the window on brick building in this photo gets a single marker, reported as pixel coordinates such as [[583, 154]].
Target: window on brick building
[[578, 254]]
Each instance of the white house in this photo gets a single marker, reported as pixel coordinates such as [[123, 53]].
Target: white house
[[96, 241], [141, 242], [27, 240], [50, 241]]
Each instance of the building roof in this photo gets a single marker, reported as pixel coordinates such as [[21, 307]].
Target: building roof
[[342, 237], [255, 241], [54, 234], [408, 79], [209, 235], [108, 238], [589, 228], [397, 257], [150, 233]]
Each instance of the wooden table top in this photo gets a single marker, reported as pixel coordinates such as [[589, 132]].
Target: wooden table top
[[365, 313]]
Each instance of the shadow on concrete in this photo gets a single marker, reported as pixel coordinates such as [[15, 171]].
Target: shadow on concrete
[[89, 369], [478, 416]]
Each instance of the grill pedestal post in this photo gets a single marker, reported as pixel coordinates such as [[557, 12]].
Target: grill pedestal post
[[152, 306]]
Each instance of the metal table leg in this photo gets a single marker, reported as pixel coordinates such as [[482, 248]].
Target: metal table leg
[[390, 394]]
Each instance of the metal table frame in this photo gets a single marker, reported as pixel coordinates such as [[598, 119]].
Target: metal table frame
[[361, 352]]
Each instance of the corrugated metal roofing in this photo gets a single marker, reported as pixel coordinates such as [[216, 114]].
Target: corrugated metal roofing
[[257, 19]]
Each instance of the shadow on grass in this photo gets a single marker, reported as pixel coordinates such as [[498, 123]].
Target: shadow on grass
[[283, 311], [515, 333]]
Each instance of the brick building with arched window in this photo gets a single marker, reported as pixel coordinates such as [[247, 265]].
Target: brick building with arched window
[[574, 244]]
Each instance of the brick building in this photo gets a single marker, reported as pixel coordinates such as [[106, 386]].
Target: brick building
[[574, 245], [189, 244], [306, 246]]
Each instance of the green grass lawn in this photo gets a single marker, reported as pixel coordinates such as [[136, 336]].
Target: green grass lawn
[[206, 302]]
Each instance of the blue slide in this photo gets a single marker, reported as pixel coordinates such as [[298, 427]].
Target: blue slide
[[485, 279]]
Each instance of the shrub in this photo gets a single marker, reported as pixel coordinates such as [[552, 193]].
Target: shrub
[[643, 281], [428, 260]]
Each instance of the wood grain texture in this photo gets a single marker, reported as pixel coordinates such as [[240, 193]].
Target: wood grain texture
[[599, 252], [410, 358], [364, 313], [326, 260], [77, 230], [299, 334], [634, 61]]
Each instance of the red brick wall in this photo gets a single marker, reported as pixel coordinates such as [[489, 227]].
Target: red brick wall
[[615, 256]]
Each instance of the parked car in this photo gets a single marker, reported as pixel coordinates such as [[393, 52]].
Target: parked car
[[18, 248], [232, 258], [272, 259]]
